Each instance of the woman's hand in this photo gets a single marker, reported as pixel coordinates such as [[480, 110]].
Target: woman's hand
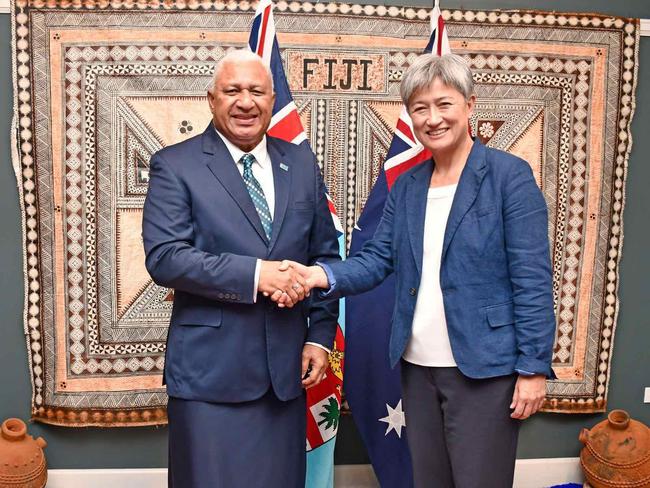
[[313, 276], [528, 397]]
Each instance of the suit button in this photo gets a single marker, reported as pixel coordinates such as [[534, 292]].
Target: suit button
[[220, 295], [227, 296], [413, 292]]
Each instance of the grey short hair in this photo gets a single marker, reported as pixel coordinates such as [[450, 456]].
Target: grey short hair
[[238, 56], [451, 69]]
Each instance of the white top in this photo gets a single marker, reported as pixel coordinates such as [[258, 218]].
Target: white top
[[429, 344]]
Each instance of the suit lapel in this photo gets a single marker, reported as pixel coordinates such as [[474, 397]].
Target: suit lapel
[[282, 185], [416, 204], [225, 170], [466, 192]]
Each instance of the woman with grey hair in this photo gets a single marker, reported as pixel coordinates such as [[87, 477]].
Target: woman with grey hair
[[466, 235]]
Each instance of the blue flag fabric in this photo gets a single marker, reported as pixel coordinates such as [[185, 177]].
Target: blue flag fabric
[[370, 385], [372, 388]]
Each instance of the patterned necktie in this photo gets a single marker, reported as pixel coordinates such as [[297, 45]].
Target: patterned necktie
[[257, 194]]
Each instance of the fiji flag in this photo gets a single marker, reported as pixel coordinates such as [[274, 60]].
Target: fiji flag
[[371, 386], [323, 400]]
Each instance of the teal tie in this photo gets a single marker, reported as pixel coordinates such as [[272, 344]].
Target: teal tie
[[257, 194]]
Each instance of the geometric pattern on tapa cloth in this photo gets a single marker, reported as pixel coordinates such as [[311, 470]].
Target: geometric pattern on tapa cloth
[[101, 87]]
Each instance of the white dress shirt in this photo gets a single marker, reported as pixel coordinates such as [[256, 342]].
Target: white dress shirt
[[429, 344], [263, 173], [262, 168]]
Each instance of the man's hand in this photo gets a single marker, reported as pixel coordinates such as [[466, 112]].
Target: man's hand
[[529, 395], [286, 284], [314, 361]]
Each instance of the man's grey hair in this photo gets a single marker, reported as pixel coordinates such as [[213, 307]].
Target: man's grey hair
[[451, 69], [238, 56]]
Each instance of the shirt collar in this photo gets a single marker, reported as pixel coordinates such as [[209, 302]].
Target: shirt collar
[[260, 152]]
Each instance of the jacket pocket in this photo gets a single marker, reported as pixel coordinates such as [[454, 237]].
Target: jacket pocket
[[198, 316], [500, 315]]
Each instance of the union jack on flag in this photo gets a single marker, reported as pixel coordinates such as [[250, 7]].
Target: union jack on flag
[[323, 400], [285, 122], [405, 151]]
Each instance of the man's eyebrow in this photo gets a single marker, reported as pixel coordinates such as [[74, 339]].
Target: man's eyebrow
[[236, 84]]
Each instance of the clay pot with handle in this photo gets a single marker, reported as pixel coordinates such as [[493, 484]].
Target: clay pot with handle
[[616, 453], [22, 461]]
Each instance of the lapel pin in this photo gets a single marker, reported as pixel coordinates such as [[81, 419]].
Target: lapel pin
[[284, 167]]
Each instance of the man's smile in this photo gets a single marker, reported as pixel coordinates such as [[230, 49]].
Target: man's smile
[[245, 119]]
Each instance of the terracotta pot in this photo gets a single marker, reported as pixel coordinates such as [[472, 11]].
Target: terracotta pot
[[616, 453], [22, 462]]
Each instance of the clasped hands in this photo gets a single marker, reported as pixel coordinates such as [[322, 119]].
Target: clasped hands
[[288, 282]]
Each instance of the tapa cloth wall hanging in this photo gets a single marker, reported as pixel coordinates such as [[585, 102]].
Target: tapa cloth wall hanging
[[101, 85]]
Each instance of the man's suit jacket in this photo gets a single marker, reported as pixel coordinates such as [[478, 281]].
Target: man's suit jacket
[[202, 237], [495, 272]]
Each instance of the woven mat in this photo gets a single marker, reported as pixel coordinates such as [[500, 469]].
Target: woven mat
[[102, 85]]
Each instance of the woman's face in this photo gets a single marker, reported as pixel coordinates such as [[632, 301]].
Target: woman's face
[[440, 116]]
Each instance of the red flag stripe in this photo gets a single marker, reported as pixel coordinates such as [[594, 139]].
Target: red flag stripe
[[265, 23], [287, 128], [441, 28], [393, 173], [330, 205], [404, 128]]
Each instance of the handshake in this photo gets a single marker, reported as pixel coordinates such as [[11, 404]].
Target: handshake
[[287, 282]]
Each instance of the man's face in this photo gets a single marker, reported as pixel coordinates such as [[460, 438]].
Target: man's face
[[241, 103], [440, 114]]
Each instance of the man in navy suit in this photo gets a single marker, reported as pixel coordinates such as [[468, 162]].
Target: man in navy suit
[[221, 209]]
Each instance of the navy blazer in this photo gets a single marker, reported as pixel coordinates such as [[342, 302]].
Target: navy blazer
[[495, 271], [202, 237]]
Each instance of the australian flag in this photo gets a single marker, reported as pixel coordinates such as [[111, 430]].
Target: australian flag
[[323, 400], [372, 388]]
